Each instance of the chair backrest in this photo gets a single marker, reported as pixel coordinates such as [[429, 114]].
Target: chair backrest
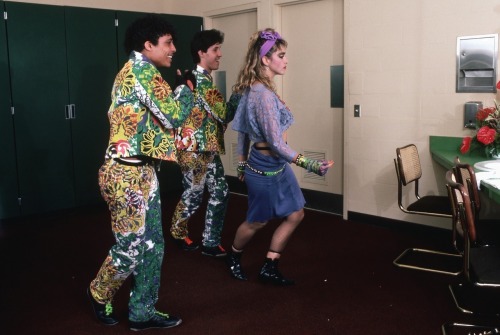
[[466, 176], [408, 164], [455, 202], [460, 200]]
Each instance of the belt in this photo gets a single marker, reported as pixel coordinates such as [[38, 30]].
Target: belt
[[265, 173], [137, 161]]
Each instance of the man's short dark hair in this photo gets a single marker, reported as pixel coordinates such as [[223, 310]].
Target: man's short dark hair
[[203, 40], [148, 28]]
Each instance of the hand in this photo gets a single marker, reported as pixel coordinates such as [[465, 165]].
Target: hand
[[187, 79], [319, 167], [240, 171], [325, 165]]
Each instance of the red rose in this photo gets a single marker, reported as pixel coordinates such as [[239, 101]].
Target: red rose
[[482, 114], [486, 135], [498, 85], [465, 144]]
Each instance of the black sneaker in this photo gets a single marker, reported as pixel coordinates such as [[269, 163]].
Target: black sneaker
[[217, 251], [103, 312], [186, 244], [159, 320]]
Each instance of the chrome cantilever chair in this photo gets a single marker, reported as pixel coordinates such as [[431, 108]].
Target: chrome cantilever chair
[[488, 231], [409, 172], [468, 329], [480, 292]]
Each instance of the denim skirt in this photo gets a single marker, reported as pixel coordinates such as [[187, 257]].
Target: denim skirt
[[274, 196]]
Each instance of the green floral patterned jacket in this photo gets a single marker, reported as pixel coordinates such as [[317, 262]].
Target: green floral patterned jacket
[[144, 112], [203, 130]]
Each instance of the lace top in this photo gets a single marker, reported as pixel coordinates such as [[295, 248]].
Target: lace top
[[262, 117]]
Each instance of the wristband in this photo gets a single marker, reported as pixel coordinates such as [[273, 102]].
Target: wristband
[[319, 167]]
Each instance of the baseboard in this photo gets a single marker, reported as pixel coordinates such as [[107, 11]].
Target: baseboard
[[397, 225]]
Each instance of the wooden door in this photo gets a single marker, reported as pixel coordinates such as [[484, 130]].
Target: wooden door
[[319, 127], [237, 28]]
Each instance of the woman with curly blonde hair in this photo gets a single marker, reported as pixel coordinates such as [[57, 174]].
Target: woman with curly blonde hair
[[273, 191]]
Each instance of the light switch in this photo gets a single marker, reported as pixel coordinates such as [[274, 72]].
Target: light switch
[[357, 110]]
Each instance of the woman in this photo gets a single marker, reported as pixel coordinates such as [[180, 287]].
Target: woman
[[273, 191]]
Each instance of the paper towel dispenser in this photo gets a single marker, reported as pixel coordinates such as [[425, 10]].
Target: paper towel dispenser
[[477, 63]]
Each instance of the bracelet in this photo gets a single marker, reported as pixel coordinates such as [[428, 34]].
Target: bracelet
[[299, 158], [241, 166]]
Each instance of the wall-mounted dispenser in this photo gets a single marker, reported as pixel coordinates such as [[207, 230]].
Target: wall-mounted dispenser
[[220, 82], [477, 63], [470, 111]]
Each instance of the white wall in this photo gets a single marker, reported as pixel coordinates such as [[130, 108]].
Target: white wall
[[400, 58]]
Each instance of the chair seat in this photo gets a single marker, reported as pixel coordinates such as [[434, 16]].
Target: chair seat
[[478, 300], [468, 329], [431, 204]]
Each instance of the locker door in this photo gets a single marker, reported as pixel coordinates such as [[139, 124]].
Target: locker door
[[92, 66], [39, 80], [9, 206]]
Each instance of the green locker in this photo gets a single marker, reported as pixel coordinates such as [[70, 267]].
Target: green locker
[[62, 62], [92, 67], [39, 83], [9, 206]]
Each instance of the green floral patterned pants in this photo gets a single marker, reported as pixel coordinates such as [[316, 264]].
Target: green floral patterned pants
[[200, 169], [133, 198]]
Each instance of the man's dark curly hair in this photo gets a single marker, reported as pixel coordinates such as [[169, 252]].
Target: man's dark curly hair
[[148, 28], [203, 40]]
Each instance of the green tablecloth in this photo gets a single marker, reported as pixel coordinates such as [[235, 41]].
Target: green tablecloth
[[444, 149]]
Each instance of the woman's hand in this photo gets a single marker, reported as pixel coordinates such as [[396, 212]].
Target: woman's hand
[[319, 167], [240, 171], [325, 165]]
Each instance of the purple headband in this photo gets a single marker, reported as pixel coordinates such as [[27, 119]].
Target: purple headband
[[271, 39]]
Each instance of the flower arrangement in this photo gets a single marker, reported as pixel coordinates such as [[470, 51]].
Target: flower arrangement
[[488, 132]]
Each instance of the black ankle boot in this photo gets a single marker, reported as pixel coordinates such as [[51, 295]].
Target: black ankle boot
[[234, 264], [270, 274]]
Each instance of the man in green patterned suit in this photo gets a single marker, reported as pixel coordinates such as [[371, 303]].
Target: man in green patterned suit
[[143, 115], [200, 141]]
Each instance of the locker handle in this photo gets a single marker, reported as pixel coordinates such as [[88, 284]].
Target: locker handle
[[73, 111], [67, 112], [70, 111]]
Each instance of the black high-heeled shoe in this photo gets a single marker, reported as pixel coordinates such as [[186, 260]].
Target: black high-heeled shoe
[[270, 274], [233, 261]]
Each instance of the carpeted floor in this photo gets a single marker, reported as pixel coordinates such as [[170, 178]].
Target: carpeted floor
[[346, 282]]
